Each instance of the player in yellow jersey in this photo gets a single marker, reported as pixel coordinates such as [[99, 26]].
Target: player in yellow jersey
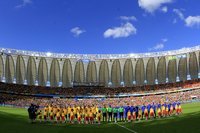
[[82, 115], [54, 111], [75, 111], [86, 116], [65, 113], [146, 113], [59, 109], [69, 111], [94, 113], [129, 115], [179, 109], [72, 116], [134, 115], [139, 114], [49, 110], [58, 116], [159, 113], [79, 117], [51, 116], [171, 110], [63, 116], [97, 109], [99, 117], [46, 108], [91, 117], [78, 108], [163, 110], [166, 111], [45, 115], [151, 113], [40, 116]]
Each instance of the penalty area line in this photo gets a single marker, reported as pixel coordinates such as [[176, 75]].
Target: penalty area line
[[126, 128]]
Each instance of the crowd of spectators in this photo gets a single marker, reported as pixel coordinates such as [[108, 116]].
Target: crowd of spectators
[[19, 97], [96, 90], [24, 101]]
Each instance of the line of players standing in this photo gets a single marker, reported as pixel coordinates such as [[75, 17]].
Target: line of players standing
[[93, 114], [129, 113]]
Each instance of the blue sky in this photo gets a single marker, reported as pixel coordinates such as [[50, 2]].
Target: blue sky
[[99, 26]]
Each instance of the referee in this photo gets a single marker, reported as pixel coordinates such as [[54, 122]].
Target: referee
[[110, 110]]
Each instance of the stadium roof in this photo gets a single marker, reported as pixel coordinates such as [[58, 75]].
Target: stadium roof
[[99, 56]]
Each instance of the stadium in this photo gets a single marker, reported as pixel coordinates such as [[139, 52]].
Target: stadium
[[66, 70], [41, 78], [99, 66]]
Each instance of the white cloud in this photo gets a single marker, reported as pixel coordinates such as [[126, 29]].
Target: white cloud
[[179, 13], [164, 9], [152, 5], [128, 18], [158, 46], [24, 3], [77, 31], [164, 40], [191, 21], [124, 30]]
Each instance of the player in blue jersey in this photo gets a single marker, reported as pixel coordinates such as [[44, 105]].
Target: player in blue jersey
[[126, 108], [169, 106], [132, 109], [148, 108], [136, 111], [154, 109], [159, 105], [174, 106], [143, 108]]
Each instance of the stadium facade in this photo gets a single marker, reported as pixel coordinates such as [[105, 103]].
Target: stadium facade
[[56, 69]]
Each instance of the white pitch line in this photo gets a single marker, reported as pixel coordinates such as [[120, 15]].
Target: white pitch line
[[126, 128]]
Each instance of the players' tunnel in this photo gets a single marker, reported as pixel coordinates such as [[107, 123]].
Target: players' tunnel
[[161, 70], [42, 72], [150, 71], [116, 73], [20, 70], [104, 73], [9, 69], [128, 73], [55, 73], [139, 72], [67, 75]]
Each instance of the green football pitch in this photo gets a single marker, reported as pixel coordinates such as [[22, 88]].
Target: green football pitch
[[15, 120]]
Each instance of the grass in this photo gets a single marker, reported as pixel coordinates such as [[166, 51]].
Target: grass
[[15, 120]]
